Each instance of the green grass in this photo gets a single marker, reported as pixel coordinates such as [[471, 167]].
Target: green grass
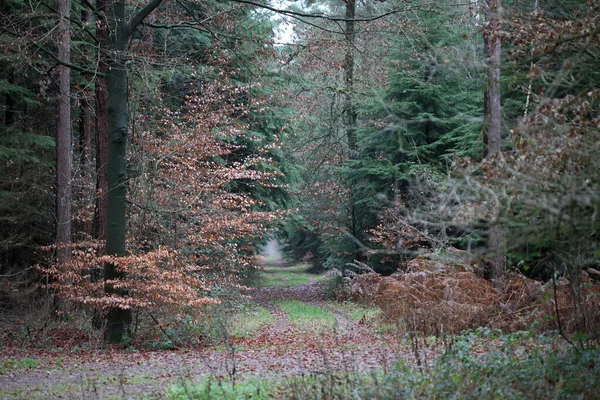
[[306, 315], [16, 364], [239, 321], [246, 323], [212, 388], [287, 276]]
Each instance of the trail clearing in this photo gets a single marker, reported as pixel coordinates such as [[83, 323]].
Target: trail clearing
[[293, 330]]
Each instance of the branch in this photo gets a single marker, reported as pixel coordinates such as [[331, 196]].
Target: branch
[[142, 14], [321, 15], [76, 22], [189, 25], [68, 65]]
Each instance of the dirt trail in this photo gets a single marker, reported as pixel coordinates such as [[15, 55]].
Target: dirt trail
[[280, 349]]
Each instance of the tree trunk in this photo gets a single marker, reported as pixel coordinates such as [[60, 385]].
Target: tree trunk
[[85, 112], [492, 108], [63, 136], [101, 123], [85, 133], [350, 111], [118, 320], [496, 240], [86, 194], [349, 108]]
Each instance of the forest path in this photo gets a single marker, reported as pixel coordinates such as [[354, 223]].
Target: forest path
[[305, 334]]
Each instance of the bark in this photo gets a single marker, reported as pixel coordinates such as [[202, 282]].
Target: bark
[[350, 109], [118, 320], [492, 107], [85, 133], [101, 94], [85, 140], [496, 236], [63, 136], [85, 112]]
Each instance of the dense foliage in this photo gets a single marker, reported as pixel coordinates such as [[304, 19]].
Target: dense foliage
[[362, 135]]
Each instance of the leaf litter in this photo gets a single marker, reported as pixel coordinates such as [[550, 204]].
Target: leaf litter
[[277, 350]]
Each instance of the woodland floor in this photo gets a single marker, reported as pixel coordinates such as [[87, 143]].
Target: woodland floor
[[345, 338]]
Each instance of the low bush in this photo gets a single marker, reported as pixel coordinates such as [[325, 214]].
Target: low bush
[[478, 364]]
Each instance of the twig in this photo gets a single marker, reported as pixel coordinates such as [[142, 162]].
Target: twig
[[560, 328], [163, 331]]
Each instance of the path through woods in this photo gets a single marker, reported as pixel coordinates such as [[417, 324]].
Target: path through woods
[[323, 337]]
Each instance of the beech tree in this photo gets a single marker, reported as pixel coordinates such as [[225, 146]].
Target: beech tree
[[120, 28]]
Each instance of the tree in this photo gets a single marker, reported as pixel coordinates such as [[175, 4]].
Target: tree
[[64, 151], [101, 96], [428, 115], [335, 65], [492, 110], [120, 30]]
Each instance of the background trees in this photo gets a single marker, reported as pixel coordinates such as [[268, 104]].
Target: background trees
[[389, 128]]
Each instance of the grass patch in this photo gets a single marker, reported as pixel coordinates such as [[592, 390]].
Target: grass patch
[[212, 388], [16, 364], [244, 324], [239, 321], [302, 314], [287, 276]]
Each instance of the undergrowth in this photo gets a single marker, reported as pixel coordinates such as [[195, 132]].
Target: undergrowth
[[512, 366]]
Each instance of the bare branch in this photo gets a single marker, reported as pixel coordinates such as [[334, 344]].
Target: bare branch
[[322, 15], [139, 16]]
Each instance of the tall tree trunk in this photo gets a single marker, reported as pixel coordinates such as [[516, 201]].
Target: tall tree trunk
[[63, 136], [496, 241], [350, 110], [101, 94], [85, 139], [118, 320], [101, 123]]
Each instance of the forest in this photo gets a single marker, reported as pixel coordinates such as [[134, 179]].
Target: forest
[[233, 199]]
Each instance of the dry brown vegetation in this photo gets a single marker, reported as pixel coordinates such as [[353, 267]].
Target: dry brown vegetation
[[436, 296]]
